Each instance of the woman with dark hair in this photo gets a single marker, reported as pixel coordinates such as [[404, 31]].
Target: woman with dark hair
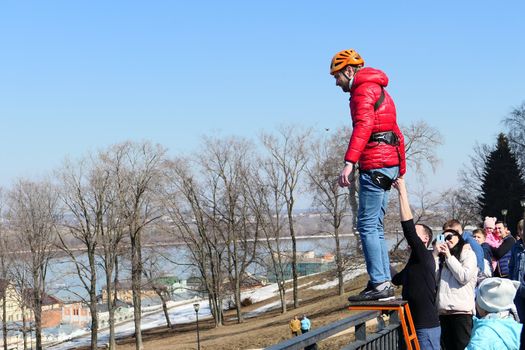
[[457, 275]]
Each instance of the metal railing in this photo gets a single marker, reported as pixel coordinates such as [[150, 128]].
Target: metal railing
[[385, 338]]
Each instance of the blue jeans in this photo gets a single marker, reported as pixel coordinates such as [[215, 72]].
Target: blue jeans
[[373, 201], [429, 338]]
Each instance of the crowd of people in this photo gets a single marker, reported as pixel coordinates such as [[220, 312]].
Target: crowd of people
[[465, 289]]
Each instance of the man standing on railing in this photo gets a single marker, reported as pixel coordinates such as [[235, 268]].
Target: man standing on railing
[[418, 278], [378, 145]]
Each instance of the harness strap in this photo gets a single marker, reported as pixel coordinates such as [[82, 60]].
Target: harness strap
[[380, 99]]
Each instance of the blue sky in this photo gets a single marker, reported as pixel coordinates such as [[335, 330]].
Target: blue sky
[[77, 76]]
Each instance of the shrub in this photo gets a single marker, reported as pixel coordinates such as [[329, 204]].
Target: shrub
[[246, 301]]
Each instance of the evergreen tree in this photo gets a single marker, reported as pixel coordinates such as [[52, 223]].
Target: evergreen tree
[[503, 185]]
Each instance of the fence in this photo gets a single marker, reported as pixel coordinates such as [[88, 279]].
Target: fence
[[384, 338]]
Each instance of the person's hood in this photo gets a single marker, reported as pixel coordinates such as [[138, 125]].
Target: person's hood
[[370, 75]]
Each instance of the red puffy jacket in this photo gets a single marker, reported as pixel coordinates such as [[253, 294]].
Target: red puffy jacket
[[365, 91]]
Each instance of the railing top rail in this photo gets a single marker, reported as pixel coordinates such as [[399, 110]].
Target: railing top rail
[[324, 332]]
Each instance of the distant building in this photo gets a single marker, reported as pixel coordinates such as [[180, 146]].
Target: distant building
[[125, 292], [17, 305], [123, 312], [14, 305], [195, 283], [307, 264], [51, 311], [173, 284], [76, 313]]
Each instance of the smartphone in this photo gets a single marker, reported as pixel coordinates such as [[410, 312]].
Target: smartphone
[[440, 238]]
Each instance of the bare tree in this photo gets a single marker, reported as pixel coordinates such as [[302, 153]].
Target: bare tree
[[34, 214], [152, 272], [112, 230], [328, 195], [193, 220], [3, 268], [470, 178], [421, 141], [20, 275], [268, 205], [458, 204], [227, 169], [137, 171], [83, 195], [289, 150], [515, 123]]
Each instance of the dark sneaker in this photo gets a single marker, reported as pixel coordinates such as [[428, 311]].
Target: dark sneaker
[[369, 286], [381, 292]]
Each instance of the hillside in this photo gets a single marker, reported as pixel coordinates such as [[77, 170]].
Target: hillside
[[322, 307]]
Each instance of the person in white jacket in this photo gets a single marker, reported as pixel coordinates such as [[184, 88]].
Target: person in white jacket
[[457, 275]]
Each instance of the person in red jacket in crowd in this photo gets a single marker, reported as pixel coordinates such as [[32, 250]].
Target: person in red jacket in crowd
[[377, 145]]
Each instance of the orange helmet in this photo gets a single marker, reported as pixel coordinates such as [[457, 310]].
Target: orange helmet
[[343, 59]]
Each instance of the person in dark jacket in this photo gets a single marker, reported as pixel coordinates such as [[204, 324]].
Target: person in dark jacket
[[517, 271], [418, 277], [503, 252], [480, 236], [377, 145]]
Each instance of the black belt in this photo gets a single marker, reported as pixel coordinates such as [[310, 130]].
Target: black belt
[[388, 137]]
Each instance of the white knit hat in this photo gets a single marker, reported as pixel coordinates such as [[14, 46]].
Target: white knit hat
[[496, 294]]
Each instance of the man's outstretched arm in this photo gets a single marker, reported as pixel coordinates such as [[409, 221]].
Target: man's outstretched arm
[[404, 206]]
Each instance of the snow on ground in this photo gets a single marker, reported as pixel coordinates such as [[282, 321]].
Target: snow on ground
[[183, 312], [179, 312], [265, 308], [261, 293], [346, 277]]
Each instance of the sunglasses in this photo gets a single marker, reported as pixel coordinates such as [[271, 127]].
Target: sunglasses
[[450, 235]]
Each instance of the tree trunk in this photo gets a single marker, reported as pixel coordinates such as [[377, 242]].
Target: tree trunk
[[238, 305], [37, 310], [282, 295], [339, 263], [4, 317], [94, 322], [162, 297], [24, 329], [295, 275], [136, 273], [93, 301], [112, 302], [38, 324]]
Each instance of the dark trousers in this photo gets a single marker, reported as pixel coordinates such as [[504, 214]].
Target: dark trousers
[[519, 301], [455, 331]]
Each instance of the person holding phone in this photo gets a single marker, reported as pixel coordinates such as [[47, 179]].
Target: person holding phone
[[418, 277], [457, 276]]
